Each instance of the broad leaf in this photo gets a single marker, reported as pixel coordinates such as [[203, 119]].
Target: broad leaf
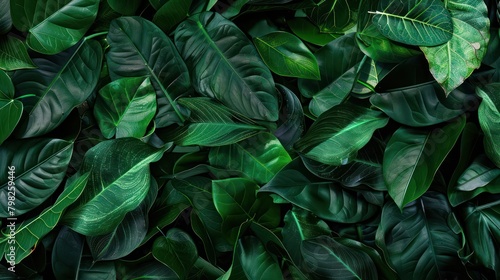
[[10, 109], [225, 65], [412, 158], [334, 16], [53, 25], [451, 63], [139, 48], [324, 198], [489, 113], [338, 134], [30, 232], [286, 55], [309, 32], [60, 83], [418, 241], [291, 117], [125, 107], [13, 54], [177, 251], [259, 157], [225, 126], [326, 258], [256, 262], [171, 14], [414, 22], [338, 64], [117, 184], [36, 178], [5, 18], [124, 7]]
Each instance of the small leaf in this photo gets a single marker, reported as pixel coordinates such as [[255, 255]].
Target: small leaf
[[309, 32], [255, 260], [286, 55], [10, 109], [177, 251], [291, 117], [125, 107], [489, 113], [124, 7], [13, 54], [333, 15], [171, 14]]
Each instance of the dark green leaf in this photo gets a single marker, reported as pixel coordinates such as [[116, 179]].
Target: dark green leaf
[[67, 254], [489, 113], [53, 25], [60, 83], [177, 251], [225, 65], [255, 261], [144, 268], [338, 134], [36, 178], [125, 107], [10, 109], [139, 48], [292, 117], [418, 241], [259, 157], [125, 7], [309, 32], [334, 16], [5, 18], [412, 158], [171, 14], [451, 63], [13, 54], [286, 55], [96, 271]]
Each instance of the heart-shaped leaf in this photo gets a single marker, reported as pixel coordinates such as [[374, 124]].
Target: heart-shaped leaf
[[13, 54]]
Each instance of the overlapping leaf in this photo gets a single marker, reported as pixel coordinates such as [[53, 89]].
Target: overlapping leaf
[[13, 54], [10, 109], [489, 113]]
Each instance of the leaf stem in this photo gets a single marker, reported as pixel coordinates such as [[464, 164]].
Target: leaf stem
[[96, 35], [25, 96]]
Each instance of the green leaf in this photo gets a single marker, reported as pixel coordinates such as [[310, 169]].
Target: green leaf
[[418, 241], [53, 25], [67, 254], [226, 127], [334, 16], [370, 74], [324, 198], [291, 117], [299, 226], [338, 134], [256, 262], [36, 178], [117, 184], [413, 156], [235, 200], [139, 48], [98, 271], [326, 258], [225, 65], [124, 7], [338, 63], [125, 107], [145, 268], [5, 17], [60, 83], [422, 104], [13, 54], [309, 32], [30, 232], [177, 251], [171, 14], [286, 55], [10, 109], [481, 226], [259, 157], [489, 112], [128, 235], [413, 22], [451, 63]]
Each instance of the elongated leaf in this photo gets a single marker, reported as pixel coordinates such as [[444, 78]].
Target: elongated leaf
[[423, 104], [60, 83], [29, 232], [481, 226], [53, 25], [412, 158], [10, 109], [13, 54], [177, 251], [418, 241], [489, 112], [334, 16], [226, 66], [35, 177], [255, 261], [338, 134], [324, 198], [326, 258], [5, 18], [125, 107], [286, 55], [139, 48], [171, 14], [259, 157], [207, 115], [128, 235], [67, 254], [338, 63], [413, 22], [292, 117], [117, 184], [124, 7], [451, 63]]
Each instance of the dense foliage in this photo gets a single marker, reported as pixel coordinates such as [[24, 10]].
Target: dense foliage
[[250, 139]]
